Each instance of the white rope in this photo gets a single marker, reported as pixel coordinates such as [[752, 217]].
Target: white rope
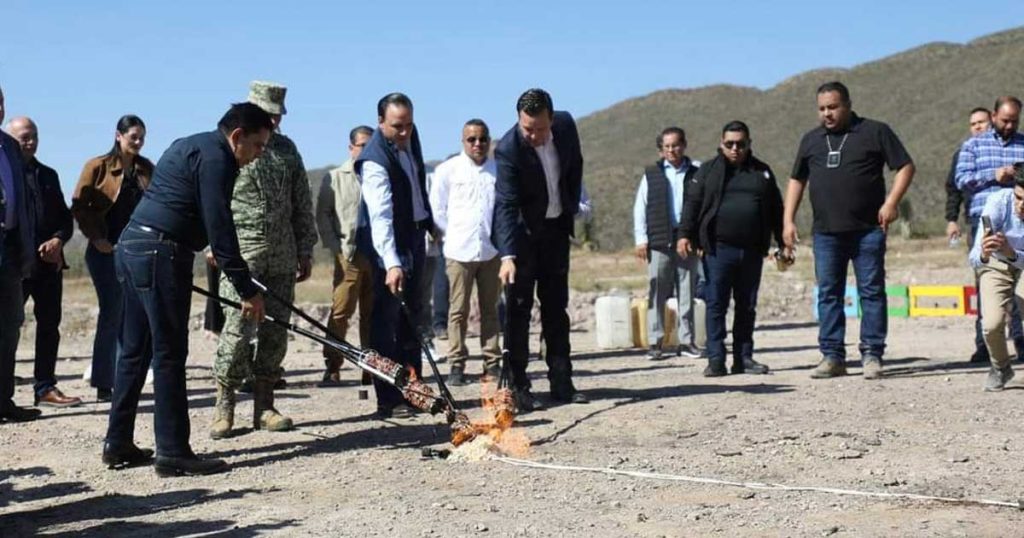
[[753, 485]]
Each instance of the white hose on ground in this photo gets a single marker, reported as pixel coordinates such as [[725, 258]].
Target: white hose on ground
[[754, 485]]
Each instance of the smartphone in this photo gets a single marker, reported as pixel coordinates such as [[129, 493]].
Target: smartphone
[[986, 224]]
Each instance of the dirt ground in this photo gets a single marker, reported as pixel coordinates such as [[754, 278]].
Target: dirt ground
[[925, 428]]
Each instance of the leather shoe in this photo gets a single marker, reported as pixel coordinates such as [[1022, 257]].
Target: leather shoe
[[13, 413], [124, 457], [190, 465], [749, 366], [579, 398], [403, 411], [55, 398], [526, 401], [104, 395], [330, 379], [715, 369], [457, 376]]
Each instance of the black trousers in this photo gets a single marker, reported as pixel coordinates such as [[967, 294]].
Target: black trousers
[[393, 332], [213, 318], [542, 267], [46, 288]]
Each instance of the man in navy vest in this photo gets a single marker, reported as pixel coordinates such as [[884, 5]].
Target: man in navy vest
[[395, 215], [540, 174], [657, 214]]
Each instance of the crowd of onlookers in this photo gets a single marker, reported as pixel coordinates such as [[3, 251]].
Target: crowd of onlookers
[[409, 248]]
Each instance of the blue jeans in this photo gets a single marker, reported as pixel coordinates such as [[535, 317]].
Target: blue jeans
[[1016, 330], [832, 255], [732, 272], [108, 323], [156, 274]]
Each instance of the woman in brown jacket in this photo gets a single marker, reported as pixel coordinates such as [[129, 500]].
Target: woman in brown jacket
[[110, 187]]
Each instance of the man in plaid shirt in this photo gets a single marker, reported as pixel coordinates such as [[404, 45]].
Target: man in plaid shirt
[[984, 167]]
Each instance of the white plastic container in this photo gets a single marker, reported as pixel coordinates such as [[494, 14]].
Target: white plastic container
[[613, 327], [700, 324]]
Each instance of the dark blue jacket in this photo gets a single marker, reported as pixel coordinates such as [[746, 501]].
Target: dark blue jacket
[[26, 214], [521, 192], [189, 199], [383, 152]]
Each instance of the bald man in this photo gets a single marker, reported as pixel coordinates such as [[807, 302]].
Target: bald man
[[45, 285]]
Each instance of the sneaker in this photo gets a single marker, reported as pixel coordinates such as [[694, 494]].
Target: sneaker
[[997, 378], [655, 354], [872, 367], [829, 368], [715, 368], [688, 351]]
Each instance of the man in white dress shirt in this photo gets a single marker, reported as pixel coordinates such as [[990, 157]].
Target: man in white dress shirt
[[462, 197], [395, 215]]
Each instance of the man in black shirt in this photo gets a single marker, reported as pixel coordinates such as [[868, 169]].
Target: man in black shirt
[[731, 196], [843, 161], [186, 207]]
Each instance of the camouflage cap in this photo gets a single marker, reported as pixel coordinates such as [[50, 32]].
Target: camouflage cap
[[268, 96]]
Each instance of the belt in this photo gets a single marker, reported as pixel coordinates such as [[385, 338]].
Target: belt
[[152, 231]]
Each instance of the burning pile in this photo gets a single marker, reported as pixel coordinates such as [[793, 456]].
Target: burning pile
[[493, 435]]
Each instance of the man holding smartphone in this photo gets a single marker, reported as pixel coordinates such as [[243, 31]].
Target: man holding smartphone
[[984, 167], [998, 257]]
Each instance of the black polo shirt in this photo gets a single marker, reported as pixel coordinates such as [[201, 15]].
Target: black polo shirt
[[847, 198]]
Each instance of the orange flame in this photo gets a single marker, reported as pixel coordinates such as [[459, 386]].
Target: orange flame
[[499, 405]]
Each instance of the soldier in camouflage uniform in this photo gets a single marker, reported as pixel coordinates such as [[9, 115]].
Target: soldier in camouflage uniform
[[273, 213]]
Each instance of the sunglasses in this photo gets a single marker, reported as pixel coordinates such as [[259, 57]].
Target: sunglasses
[[474, 139], [736, 144]]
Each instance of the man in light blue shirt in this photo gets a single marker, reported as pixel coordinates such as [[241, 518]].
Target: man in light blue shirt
[[656, 216], [998, 257]]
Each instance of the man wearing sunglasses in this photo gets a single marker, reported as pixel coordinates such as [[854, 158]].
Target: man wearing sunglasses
[[656, 217], [843, 160], [462, 197], [731, 196]]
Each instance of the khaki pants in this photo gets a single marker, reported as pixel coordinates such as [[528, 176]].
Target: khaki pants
[[352, 285], [461, 276], [999, 284]]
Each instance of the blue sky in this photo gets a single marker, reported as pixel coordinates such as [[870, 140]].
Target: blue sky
[[75, 66]]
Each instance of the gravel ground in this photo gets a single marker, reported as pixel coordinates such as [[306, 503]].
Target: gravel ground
[[925, 428]]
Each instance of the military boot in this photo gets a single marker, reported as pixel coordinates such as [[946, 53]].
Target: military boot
[[265, 417], [224, 419]]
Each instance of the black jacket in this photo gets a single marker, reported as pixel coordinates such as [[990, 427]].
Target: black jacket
[[55, 220], [704, 197], [521, 192]]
